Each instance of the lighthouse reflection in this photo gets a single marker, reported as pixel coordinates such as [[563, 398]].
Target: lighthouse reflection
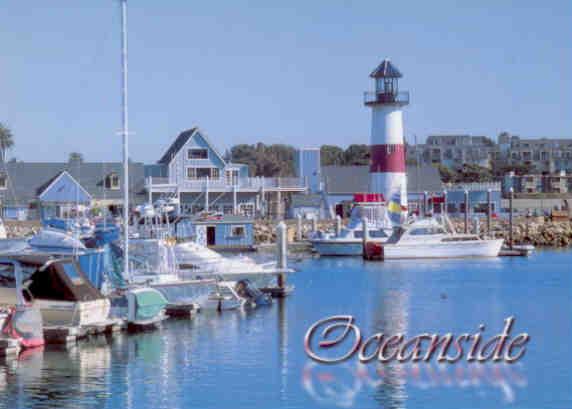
[[395, 305]]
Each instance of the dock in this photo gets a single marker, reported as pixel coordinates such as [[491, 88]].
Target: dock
[[182, 310], [70, 334]]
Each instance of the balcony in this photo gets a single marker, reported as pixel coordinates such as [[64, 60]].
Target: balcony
[[398, 98], [246, 184]]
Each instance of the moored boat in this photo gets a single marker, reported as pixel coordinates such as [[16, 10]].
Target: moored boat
[[429, 238], [349, 240], [57, 287]]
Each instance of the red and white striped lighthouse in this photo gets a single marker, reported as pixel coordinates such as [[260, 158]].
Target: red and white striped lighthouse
[[387, 167]]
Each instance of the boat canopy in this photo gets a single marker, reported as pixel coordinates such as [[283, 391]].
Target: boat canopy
[[52, 279]]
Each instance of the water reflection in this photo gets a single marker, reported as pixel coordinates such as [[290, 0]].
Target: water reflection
[[341, 385], [79, 373], [255, 358], [390, 315]]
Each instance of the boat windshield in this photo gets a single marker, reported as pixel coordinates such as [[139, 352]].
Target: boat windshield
[[423, 231], [374, 234]]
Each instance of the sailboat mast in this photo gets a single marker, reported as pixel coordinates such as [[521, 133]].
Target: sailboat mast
[[125, 137]]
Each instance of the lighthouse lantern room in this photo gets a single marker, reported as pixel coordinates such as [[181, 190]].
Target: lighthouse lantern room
[[387, 151]]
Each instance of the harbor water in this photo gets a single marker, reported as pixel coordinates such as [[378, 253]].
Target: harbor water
[[256, 358]]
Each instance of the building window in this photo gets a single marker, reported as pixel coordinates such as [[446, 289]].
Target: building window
[[246, 209], [197, 153], [3, 182], [112, 181], [237, 231], [203, 173], [231, 177], [228, 209]]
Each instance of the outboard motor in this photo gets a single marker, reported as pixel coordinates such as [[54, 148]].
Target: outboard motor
[[245, 289]]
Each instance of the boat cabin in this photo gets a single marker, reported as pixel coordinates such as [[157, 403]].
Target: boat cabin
[[57, 286], [217, 231]]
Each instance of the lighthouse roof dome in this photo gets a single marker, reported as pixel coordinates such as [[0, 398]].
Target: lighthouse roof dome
[[386, 70]]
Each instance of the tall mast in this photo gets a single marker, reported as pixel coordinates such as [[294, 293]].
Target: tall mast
[[125, 137]]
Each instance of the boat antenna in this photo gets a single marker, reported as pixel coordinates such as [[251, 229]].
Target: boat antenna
[[125, 137]]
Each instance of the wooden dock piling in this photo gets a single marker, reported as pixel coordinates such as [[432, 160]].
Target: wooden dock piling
[[510, 218], [299, 232], [466, 211], [489, 212]]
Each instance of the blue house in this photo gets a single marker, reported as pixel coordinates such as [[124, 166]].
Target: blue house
[[33, 190], [194, 171], [60, 195], [221, 232]]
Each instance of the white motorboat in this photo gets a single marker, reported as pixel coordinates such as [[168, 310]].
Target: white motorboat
[[3, 234], [57, 287], [21, 320], [153, 263], [349, 241], [194, 258], [157, 267], [431, 238]]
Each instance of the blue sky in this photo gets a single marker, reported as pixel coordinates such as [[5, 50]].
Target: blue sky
[[290, 72]]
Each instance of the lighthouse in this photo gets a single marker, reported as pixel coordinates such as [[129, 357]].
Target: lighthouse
[[387, 151]]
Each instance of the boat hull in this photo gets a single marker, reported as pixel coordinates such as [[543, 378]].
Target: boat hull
[[340, 247], [461, 249], [69, 313]]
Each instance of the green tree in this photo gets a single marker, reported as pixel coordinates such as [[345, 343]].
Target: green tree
[[265, 160], [6, 141], [356, 155], [331, 155], [466, 174]]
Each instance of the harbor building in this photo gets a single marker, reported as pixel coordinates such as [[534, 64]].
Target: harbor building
[[305, 165], [454, 151], [477, 197], [559, 183], [542, 155], [195, 172], [539, 155], [220, 232], [387, 150], [40, 190]]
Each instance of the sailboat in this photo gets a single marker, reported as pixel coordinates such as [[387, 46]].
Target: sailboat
[[140, 305]]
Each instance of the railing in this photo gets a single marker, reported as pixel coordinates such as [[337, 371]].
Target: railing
[[401, 97], [473, 186], [252, 183]]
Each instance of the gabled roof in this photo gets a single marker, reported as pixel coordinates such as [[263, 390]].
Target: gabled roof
[[26, 179], [48, 185], [385, 70], [176, 146], [181, 140]]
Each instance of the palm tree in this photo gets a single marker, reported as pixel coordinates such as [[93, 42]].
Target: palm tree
[[6, 141]]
